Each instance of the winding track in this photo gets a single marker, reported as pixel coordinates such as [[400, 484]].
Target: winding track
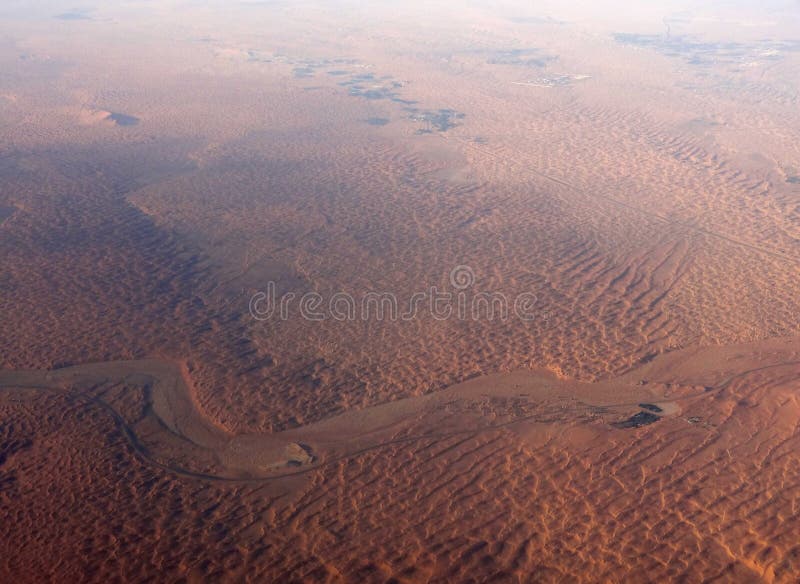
[[145, 455]]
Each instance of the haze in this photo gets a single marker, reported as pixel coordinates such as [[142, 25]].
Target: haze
[[399, 292]]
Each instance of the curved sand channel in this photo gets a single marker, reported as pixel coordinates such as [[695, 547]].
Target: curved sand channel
[[153, 404]]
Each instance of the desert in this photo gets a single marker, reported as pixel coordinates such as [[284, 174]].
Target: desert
[[371, 292]]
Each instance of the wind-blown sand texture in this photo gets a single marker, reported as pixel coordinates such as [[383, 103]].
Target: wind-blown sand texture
[[514, 476], [159, 167]]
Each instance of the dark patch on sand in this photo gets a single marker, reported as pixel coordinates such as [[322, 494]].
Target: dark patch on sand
[[303, 72], [5, 213], [377, 121], [651, 407], [378, 88], [122, 119], [74, 15], [522, 57], [698, 52], [637, 420], [439, 120]]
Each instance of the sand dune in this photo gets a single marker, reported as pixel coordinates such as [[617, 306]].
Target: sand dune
[[537, 457], [155, 408], [161, 166]]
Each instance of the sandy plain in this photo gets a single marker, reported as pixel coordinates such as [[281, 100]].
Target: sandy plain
[[641, 187]]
